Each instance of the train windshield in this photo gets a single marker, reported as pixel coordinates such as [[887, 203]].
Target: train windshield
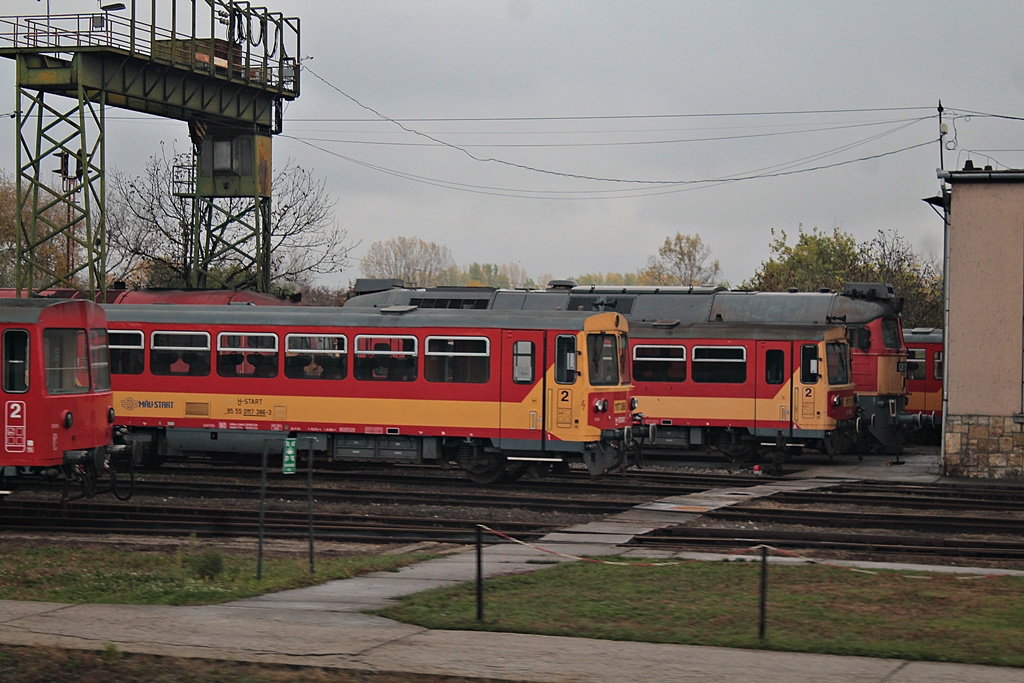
[[605, 359], [837, 358], [66, 353], [891, 335]]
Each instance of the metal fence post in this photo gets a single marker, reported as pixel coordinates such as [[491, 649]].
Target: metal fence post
[[263, 499], [764, 591], [479, 572], [309, 489]]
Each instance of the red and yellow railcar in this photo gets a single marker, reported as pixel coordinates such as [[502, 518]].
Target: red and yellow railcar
[[58, 405], [492, 392], [924, 375], [743, 389]]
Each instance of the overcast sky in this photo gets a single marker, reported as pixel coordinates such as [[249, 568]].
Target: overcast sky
[[625, 115]]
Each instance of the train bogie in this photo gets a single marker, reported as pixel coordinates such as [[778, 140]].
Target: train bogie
[[492, 393]]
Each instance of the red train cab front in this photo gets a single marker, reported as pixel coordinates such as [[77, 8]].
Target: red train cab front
[[56, 383]]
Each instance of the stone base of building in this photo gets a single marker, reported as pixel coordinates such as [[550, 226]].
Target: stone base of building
[[984, 446]]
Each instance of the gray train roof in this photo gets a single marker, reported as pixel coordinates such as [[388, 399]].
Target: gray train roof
[[435, 297], [638, 331], [706, 304], [923, 335], [858, 304], [392, 316], [27, 311]]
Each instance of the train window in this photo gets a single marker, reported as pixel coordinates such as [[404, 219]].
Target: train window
[[662, 363], [247, 354], [321, 356], [603, 352], [916, 364], [99, 359], [774, 366], [937, 363], [16, 361], [179, 353], [565, 359], [384, 358], [522, 362], [719, 364], [809, 364], [66, 361], [126, 352], [891, 335], [457, 359], [859, 337], [837, 360], [625, 368]]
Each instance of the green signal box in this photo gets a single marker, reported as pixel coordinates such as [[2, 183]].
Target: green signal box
[[288, 466]]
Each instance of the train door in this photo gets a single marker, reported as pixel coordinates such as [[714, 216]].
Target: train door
[[774, 387], [15, 385], [933, 403], [524, 393]]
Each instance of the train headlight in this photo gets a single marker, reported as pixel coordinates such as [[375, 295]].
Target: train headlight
[[837, 400], [600, 405], [633, 403], [69, 419], [110, 416]]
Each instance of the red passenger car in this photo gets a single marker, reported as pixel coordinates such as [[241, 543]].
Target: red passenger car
[[492, 392], [745, 389], [58, 411], [924, 374]]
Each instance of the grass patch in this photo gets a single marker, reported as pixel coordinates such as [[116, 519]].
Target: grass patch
[[809, 609], [189, 576]]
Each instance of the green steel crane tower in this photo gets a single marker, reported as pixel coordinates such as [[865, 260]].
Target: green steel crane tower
[[224, 67]]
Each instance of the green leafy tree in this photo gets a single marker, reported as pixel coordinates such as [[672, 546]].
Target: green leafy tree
[[681, 260], [492, 275], [620, 279], [820, 260], [889, 257]]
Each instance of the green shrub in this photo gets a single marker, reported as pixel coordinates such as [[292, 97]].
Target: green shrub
[[206, 565]]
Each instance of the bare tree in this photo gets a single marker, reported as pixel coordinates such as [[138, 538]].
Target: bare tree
[[410, 259], [681, 260], [54, 254], [150, 240]]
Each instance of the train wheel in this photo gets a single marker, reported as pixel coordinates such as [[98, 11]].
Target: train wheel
[[539, 470], [482, 468], [124, 489], [738, 453], [513, 472]]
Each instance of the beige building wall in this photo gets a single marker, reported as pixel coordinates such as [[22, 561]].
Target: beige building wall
[[984, 425], [986, 298]]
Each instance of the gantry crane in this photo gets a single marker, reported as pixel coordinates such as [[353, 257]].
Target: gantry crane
[[224, 67]]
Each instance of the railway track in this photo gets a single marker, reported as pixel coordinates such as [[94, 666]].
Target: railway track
[[381, 497], [632, 483], [93, 518]]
